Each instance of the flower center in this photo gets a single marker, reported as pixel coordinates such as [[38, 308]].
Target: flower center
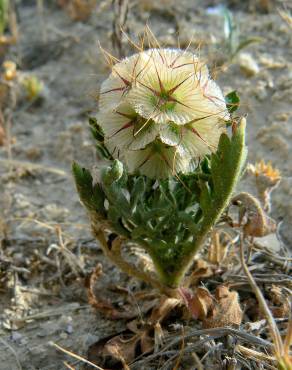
[[163, 102]]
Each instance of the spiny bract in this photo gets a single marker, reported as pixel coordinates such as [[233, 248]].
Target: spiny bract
[[160, 112]]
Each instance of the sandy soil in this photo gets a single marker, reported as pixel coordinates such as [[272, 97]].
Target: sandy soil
[[42, 222]]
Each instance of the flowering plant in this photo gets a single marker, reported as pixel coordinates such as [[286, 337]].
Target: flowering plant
[[169, 167]]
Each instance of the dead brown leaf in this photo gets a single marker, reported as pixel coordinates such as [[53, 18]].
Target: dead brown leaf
[[122, 348], [281, 302], [258, 223], [163, 309], [201, 269], [226, 311], [118, 351], [2, 135], [78, 10], [140, 337], [200, 303], [100, 303]]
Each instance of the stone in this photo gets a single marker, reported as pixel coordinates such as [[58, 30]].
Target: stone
[[248, 65], [270, 241]]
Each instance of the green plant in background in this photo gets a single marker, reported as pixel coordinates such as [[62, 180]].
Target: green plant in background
[[169, 166], [234, 42], [33, 87], [4, 7]]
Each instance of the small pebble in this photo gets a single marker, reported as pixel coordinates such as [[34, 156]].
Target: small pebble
[[16, 336], [63, 335], [248, 65]]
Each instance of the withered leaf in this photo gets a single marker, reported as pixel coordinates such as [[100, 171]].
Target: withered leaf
[[122, 348], [258, 223], [96, 298], [200, 303], [226, 311], [280, 300], [165, 306], [2, 135]]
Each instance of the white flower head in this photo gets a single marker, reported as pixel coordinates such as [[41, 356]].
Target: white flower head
[[160, 112]]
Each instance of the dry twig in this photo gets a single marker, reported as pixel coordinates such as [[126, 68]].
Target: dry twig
[[74, 355], [281, 349]]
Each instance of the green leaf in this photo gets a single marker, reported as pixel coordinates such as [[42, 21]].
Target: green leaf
[[188, 221], [98, 135], [4, 8], [227, 163], [246, 42], [228, 23], [96, 130], [137, 191], [114, 216], [205, 197], [232, 101], [91, 196]]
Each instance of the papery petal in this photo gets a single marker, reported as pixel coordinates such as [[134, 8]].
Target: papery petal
[[215, 96], [171, 134], [178, 94], [161, 112], [120, 81], [202, 137], [125, 130], [157, 162]]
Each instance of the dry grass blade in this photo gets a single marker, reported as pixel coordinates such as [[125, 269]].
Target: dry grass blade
[[250, 353], [74, 355], [178, 361], [197, 361], [13, 352], [288, 339], [120, 19], [213, 333], [279, 348], [68, 366], [223, 332], [286, 17], [32, 166]]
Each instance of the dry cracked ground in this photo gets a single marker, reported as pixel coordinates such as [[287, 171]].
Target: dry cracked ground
[[47, 249]]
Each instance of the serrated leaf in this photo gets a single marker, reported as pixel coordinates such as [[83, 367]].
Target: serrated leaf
[[188, 221], [227, 163], [103, 152], [91, 196], [137, 191], [96, 130], [98, 135], [115, 217], [142, 231], [116, 196], [83, 180]]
